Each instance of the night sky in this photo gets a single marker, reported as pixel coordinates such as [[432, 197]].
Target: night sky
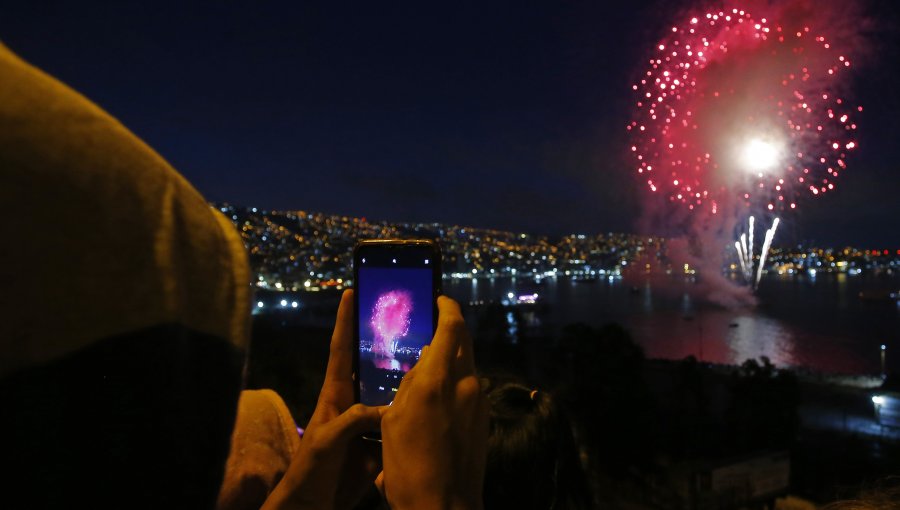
[[509, 115]]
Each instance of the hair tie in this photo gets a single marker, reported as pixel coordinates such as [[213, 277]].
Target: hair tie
[[533, 393]]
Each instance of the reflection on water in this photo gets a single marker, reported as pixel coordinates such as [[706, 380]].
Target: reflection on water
[[512, 328], [842, 286], [390, 364], [648, 298], [817, 322], [752, 337]]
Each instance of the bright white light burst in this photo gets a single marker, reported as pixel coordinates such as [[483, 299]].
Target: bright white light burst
[[760, 155]]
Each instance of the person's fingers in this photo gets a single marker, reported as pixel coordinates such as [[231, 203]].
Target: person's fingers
[[340, 359], [450, 329], [354, 421]]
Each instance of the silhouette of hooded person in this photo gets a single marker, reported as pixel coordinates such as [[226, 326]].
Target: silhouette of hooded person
[[125, 305]]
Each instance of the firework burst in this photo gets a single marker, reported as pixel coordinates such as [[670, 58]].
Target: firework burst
[[738, 109], [390, 320]]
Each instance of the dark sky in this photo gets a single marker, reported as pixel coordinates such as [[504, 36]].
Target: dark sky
[[506, 115]]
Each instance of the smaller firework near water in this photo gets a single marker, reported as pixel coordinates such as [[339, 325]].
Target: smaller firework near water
[[744, 248], [390, 321]]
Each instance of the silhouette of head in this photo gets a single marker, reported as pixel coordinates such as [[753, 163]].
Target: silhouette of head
[[533, 459]]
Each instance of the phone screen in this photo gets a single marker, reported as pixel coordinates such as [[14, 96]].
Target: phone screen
[[395, 296]]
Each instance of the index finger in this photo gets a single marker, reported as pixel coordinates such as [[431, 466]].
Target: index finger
[[447, 339]]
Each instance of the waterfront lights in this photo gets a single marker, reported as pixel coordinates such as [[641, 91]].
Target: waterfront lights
[[527, 299], [878, 400]]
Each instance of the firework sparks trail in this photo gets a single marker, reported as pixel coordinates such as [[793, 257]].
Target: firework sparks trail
[[747, 263], [747, 254], [390, 320], [740, 252], [734, 106], [750, 222], [767, 243]]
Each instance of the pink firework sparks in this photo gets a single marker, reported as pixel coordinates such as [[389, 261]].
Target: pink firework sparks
[[737, 106], [390, 320]]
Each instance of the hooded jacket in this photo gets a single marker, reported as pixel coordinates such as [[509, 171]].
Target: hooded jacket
[[125, 311]]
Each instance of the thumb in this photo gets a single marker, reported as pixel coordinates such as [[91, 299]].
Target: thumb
[[354, 421]]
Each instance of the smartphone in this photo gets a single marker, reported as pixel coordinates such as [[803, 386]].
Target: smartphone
[[397, 283]]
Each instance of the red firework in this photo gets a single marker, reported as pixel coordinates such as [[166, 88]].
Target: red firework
[[733, 107]]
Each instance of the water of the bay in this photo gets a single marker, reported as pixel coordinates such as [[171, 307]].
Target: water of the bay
[[820, 323]]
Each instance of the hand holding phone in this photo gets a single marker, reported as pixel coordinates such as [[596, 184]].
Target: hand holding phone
[[334, 466], [435, 434], [396, 287]]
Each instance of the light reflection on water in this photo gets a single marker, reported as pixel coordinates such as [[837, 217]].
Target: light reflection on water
[[390, 364], [751, 337], [820, 322]]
